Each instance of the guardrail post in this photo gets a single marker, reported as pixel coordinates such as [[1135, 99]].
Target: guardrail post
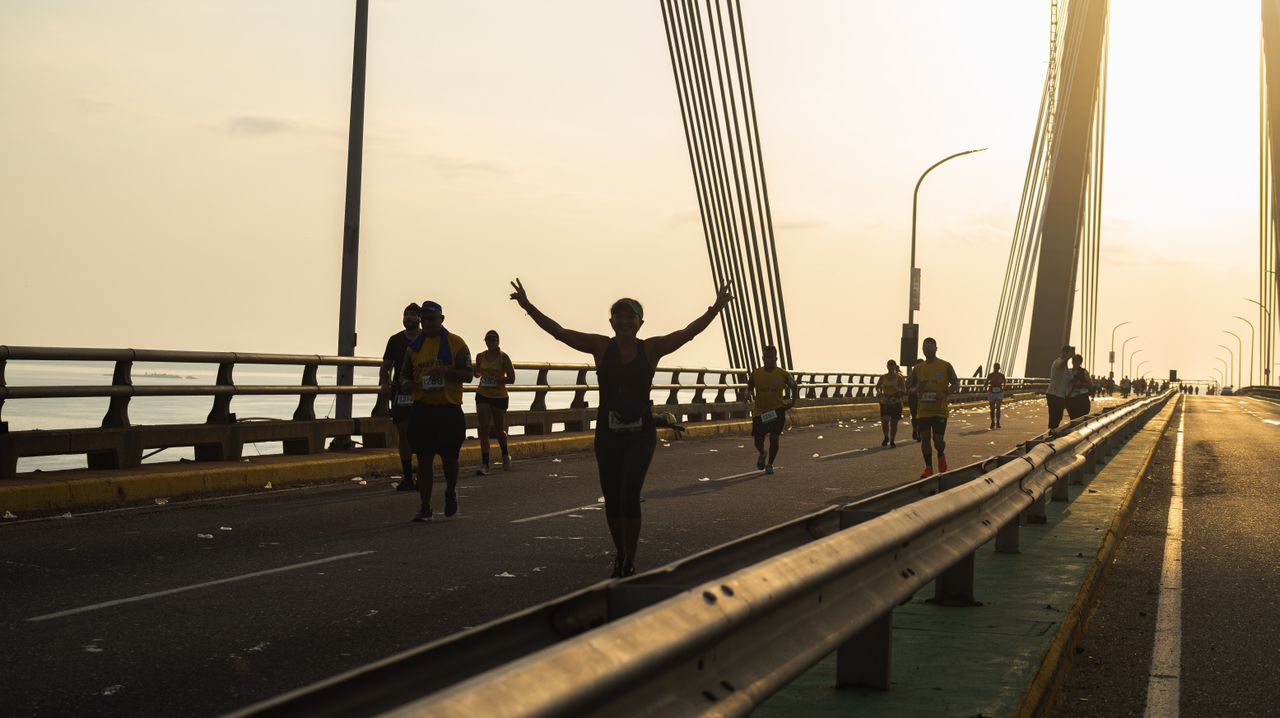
[[954, 586], [306, 410], [865, 660], [538, 425], [809, 392], [4, 425], [673, 398], [698, 398], [221, 412], [1060, 489], [118, 412], [580, 396]]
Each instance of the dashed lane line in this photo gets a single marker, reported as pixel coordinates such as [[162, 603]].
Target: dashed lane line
[[1164, 685], [206, 584]]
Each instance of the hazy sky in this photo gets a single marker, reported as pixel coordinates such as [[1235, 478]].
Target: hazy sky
[[174, 171]]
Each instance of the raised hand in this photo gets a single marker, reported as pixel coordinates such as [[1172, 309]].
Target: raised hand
[[724, 295], [519, 296]]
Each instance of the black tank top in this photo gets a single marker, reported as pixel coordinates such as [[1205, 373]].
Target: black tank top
[[625, 388]]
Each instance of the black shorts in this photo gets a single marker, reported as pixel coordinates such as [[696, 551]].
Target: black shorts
[[499, 404], [775, 427], [936, 424], [437, 430], [892, 411], [400, 414]]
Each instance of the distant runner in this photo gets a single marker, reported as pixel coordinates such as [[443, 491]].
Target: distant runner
[[401, 402], [913, 402], [1081, 385], [934, 380], [1059, 386], [995, 393], [436, 366], [890, 389], [495, 371], [625, 432], [775, 393]]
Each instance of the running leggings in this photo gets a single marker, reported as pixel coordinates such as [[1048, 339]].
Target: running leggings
[[623, 460]]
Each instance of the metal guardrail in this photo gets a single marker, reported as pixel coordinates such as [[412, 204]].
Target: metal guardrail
[[1265, 392], [118, 449], [718, 632]]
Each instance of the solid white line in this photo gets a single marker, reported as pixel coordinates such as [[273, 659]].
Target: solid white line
[[157, 594], [588, 507], [1166, 656]]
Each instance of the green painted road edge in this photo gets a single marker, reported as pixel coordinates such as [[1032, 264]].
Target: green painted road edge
[[1044, 688], [994, 659], [58, 492]]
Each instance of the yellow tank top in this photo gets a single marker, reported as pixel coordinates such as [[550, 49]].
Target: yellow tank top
[[768, 388], [932, 384], [437, 390], [491, 374], [892, 386]]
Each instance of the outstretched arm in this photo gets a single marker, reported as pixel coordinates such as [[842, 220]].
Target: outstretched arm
[[593, 344], [658, 347]]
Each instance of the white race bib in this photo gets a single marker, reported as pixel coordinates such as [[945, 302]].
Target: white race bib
[[404, 400], [433, 383], [488, 382], [769, 416], [929, 396]]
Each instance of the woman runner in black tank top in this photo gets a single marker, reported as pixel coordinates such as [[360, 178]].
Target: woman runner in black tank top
[[625, 433]]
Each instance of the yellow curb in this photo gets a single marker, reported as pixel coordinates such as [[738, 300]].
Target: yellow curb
[[1044, 687], [49, 494]]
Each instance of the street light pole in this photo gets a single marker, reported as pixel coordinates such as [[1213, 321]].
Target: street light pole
[[1141, 364], [351, 222], [1112, 355], [1246, 321], [910, 332], [1239, 357], [1230, 376], [1133, 354], [1124, 345], [1266, 370]]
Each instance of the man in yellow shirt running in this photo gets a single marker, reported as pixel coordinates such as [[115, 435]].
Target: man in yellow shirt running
[[436, 365], [775, 392], [934, 381], [891, 389]]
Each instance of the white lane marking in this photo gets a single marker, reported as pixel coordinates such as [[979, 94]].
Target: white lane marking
[[1166, 655], [588, 507], [1271, 421], [206, 584], [743, 475], [842, 453]]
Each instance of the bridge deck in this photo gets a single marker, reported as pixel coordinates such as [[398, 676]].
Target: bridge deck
[[521, 538]]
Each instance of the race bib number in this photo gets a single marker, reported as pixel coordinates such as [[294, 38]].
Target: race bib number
[[433, 383], [929, 396], [769, 416], [488, 382], [617, 423], [404, 400]]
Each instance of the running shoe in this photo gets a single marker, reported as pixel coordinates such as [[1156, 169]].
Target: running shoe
[[424, 514], [451, 503], [768, 469], [506, 462], [407, 485], [942, 465], [760, 461], [483, 470], [885, 442], [617, 569], [893, 444], [928, 471]]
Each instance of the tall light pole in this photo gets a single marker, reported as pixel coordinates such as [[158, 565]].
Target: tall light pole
[[1112, 355], [1123, 346], [1133, 354], [1141, 364], [910, 332], [1221, 378], [1266, 370], [1230, 376], [1239, 356], [1246, 321], [351, 222]]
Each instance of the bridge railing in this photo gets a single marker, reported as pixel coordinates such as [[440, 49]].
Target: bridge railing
[[691, 393], [718, 632]]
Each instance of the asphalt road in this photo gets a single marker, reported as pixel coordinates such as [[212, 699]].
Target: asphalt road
[[1228, 630], [200, 607]]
